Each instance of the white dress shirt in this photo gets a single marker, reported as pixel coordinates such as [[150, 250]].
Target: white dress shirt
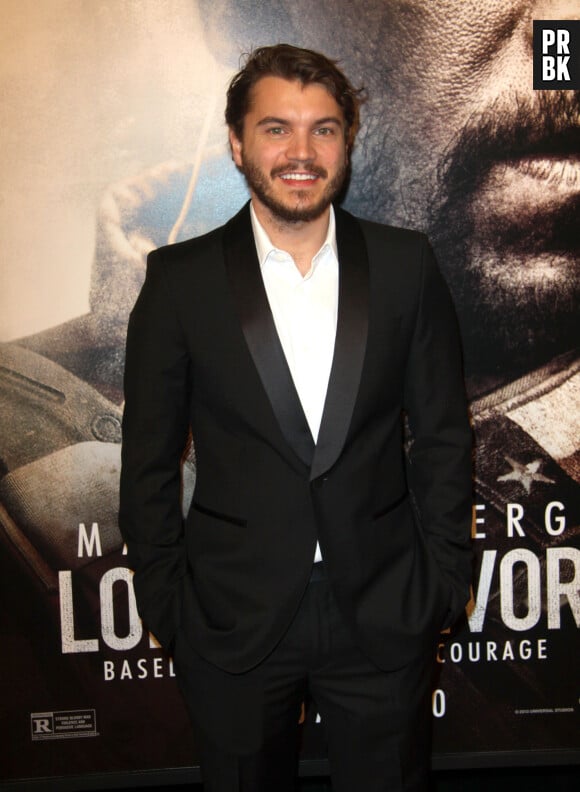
[[305, 310]]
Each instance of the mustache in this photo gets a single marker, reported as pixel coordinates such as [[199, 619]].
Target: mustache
[[544, 126], [548, 125], [306, 167]]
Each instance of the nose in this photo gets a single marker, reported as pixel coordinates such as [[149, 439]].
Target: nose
[[300, 146]]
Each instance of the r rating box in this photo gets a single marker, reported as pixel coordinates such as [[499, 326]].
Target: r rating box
[[63, 725]]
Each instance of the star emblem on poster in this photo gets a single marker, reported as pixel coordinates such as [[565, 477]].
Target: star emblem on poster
[[525, 474]]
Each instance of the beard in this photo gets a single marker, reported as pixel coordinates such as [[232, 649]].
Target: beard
[[513, 276], [299, 211]]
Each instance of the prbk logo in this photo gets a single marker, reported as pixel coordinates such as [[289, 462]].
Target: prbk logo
[[557, 54]]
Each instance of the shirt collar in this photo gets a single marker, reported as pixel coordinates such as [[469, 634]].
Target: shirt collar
[[264, 245]]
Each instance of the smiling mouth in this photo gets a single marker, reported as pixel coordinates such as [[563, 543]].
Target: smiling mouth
[[301, 177]]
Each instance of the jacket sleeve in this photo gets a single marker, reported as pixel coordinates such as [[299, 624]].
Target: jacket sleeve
[[155, 430], [440, 456]]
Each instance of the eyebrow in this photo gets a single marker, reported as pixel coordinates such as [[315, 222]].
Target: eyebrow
[[284, 121]]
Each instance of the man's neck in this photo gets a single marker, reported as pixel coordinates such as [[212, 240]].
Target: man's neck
[[301, 240]]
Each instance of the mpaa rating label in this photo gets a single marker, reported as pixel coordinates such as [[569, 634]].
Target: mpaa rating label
[[557, 54], [63, 725]]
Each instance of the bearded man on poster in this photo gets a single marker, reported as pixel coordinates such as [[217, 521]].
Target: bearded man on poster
[[317, 558]]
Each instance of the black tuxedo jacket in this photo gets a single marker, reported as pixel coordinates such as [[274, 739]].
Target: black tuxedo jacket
[[394, 528]]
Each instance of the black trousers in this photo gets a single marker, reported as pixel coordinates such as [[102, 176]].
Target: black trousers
[[377, 723]]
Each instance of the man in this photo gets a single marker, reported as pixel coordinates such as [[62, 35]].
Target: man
[[313, 560], [458, 144], [434, 72]]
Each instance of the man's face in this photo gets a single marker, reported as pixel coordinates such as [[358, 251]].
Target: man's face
[[456, 142], [293, 151]]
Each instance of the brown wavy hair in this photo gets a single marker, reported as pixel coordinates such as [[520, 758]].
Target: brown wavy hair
[[292, 63]]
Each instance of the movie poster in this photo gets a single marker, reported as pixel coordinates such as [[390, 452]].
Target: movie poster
[[113, 144]]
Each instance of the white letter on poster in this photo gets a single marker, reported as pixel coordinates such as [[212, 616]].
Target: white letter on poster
[[558, 589], [108, 612], [507, 584], [485, 575], [67, 619]]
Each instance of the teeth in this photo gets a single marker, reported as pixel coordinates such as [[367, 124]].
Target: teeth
[[299, 176]]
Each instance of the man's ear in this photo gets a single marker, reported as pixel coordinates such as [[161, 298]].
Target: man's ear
[[236, 147]]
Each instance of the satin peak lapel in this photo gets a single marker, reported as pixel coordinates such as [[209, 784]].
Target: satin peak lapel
[[258, 326], [350, 344]]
